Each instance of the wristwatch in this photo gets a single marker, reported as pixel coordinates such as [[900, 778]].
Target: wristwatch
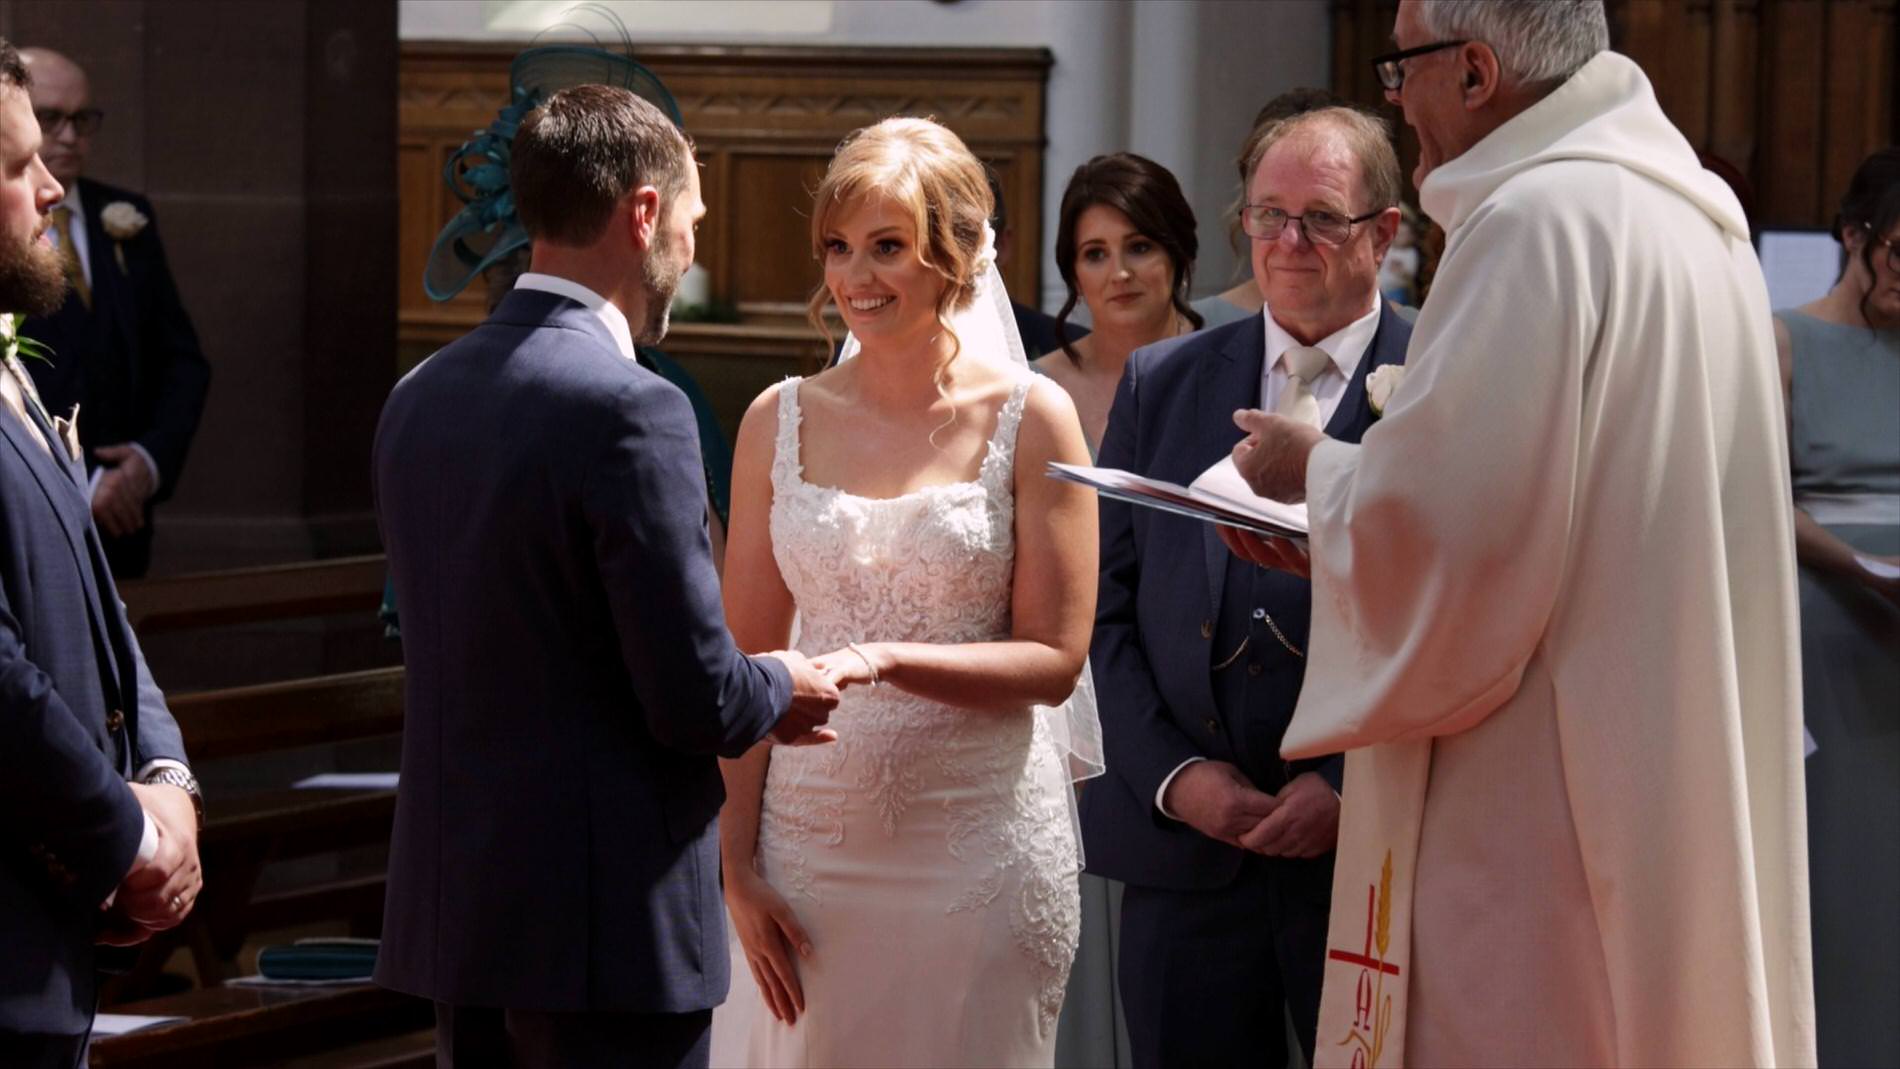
[[183, 780]]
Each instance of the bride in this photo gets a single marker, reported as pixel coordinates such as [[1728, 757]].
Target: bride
[[908, 895]]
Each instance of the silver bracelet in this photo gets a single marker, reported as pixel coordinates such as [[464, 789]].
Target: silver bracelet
[[853, 647]]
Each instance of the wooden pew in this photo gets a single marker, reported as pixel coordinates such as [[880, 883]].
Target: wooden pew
[[245, 832], [255, 595], [242, 834], [355, 1026]]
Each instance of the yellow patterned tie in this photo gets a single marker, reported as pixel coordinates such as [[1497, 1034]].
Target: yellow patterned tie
[[69, 255]]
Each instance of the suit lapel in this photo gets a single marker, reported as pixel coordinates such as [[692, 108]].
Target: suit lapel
[[110, 294], [53, 474], [73, 512], [1230, 381]]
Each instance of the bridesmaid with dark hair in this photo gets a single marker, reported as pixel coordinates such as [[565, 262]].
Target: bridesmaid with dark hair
[[1125, 245], [1840, 366]]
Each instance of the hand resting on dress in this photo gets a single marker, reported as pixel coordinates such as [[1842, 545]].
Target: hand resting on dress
[[769, 933], [814, 696]]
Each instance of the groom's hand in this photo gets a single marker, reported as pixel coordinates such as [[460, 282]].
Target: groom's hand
[[814, 696], [1217, 800]]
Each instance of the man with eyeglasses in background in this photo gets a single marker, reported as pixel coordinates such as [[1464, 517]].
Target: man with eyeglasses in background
[[124, 349], [1555, 617], [1227, 850]]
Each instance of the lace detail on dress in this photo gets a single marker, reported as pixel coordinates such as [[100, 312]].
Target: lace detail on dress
[[934, 565]]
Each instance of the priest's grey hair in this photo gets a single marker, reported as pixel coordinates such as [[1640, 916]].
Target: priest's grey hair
[[1539, 43]]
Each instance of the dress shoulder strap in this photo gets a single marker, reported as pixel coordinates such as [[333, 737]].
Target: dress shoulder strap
[[999, 459], [786, 468]]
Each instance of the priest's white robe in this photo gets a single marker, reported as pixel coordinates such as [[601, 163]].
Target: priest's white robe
[[1555, 624]]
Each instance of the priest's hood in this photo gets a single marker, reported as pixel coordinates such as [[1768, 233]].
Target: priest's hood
[[1606, 111]]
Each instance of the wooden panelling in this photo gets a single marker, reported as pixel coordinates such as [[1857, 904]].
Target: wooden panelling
[[765, 121], [1792, 93]]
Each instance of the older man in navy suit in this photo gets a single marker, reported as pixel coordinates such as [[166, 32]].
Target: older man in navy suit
[[554, 871], [1227, 849], [99, 814], [123, 347]]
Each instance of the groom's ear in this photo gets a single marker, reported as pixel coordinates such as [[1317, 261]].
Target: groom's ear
[[643, 216]]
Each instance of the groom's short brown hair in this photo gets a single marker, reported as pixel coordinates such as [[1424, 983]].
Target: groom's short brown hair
[[581, 151]]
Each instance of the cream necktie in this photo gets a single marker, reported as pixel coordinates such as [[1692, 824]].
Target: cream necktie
[[1304, 363], [69, 255], [16, 389]]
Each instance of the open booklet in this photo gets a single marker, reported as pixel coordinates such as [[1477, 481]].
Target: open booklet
[[1217, 495]]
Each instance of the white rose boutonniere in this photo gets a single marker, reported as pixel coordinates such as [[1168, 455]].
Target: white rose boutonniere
[[1380, 385], [12, 345], [123, 222]]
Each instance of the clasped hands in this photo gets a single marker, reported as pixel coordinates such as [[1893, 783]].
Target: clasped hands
[[160, 893], [816, 684], [1216, 799], [1272, 458], [126, 481]]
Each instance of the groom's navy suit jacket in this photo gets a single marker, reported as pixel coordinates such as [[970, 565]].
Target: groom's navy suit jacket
[[79, 714], [1174, 603], [569, 677]]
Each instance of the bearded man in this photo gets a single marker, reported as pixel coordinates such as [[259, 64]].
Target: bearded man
[[99, 814]]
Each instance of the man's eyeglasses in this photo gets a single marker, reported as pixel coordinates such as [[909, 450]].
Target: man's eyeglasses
[[85, 121], [1321, 228], [1391, 66]]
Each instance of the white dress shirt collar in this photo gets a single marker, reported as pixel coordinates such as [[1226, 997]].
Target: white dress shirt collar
[[1345, 346], [610, 314]]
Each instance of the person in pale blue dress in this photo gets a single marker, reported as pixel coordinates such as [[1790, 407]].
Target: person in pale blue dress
[[1841, 370]]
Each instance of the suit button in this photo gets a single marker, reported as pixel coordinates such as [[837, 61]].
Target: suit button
[[1207, 629], [1213, 726], [115, 721], [1254, 668]]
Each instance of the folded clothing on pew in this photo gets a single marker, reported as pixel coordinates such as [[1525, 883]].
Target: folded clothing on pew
[[329, 960]]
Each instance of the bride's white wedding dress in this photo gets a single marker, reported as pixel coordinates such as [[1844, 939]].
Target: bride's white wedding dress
[[929, 852]]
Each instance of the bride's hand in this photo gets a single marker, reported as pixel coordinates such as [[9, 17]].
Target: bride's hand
[[850, 666], [769, 933]]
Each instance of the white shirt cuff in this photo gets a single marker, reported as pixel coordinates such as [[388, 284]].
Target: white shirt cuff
[[157, 763], [148, 849], [1162, 792], [151, 465]]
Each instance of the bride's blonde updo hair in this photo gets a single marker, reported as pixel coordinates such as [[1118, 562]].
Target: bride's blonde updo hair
[[920, 165]]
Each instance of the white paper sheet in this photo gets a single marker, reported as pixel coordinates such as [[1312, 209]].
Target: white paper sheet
[[118, 1024], [1249, 513], [1879, 569], [349, 781]]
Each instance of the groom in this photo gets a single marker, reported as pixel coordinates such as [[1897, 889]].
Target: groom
[[1227, 850], [554, 869]]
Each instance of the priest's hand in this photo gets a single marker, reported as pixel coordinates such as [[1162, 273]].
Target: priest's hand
[[1217, 800], [1272, 458], [1266, 551], [1305, 823]]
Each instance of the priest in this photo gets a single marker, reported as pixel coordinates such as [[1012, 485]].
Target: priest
[[1554, 613]]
